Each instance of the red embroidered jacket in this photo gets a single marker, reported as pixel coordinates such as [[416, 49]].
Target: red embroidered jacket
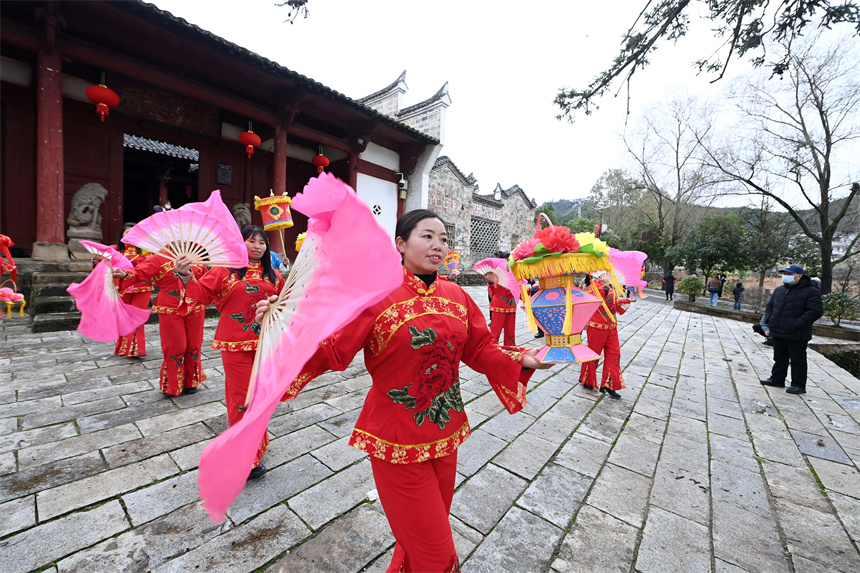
[[601, 319], [502, 299], [236, 300], [413, 343], [136, 258], [171, 296]]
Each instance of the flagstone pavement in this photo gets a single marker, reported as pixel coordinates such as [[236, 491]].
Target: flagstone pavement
[[697, 468]]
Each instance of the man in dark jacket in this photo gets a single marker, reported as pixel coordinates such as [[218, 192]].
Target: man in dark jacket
[[791, 310]]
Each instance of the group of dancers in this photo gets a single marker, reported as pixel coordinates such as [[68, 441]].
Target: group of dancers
[[185, 289], [413, 418]]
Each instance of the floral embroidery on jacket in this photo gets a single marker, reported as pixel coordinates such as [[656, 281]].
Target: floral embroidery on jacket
[[246, 317], [428, 394]]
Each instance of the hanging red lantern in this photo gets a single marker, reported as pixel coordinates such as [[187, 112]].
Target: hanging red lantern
[[104, 98], [250, 140], [321, 162]]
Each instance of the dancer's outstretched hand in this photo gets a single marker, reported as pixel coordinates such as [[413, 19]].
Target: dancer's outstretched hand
[[262, 307], [529, 361]]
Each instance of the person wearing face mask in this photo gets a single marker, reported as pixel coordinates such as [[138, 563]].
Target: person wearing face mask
[[788, 318], [413, 419]]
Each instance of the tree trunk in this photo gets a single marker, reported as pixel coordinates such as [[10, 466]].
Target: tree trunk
[[826, 266], [761, 274]]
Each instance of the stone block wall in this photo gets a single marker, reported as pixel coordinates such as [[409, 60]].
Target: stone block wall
[[428, 121], [387, 105]]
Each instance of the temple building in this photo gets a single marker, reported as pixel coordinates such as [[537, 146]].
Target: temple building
[[187, 101]]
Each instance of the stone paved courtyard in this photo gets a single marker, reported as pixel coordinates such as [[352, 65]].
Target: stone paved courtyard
[[697, 468]]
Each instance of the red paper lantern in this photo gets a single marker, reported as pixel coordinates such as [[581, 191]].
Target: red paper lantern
[[104, 98], [321, 162], [250, 140]]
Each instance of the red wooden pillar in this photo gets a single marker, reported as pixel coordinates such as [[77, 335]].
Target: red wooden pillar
[[50, 224], [279, 182]]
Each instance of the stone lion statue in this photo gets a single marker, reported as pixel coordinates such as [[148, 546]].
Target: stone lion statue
[[84, 213], [242, 214]]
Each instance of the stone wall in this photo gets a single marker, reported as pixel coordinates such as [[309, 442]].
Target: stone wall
[[387, 105], [453, 197], [428, 121]]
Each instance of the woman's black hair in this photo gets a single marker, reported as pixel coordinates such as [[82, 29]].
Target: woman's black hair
[[408, 221], [265, 260], [120, 246]]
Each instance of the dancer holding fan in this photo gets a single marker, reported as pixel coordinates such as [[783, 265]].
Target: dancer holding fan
[[602, 332], [180, 324], [138, 296], [413, 419], [235, 293]]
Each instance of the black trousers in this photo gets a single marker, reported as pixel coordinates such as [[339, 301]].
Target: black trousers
[[794, 351]]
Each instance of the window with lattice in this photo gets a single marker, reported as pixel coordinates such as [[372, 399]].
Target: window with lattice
[[485, 237], [449, 230]]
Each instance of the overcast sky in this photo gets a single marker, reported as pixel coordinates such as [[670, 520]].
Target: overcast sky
[[504, 61]]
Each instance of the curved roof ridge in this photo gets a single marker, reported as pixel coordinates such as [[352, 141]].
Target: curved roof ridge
[[386, 89], [438, 96]]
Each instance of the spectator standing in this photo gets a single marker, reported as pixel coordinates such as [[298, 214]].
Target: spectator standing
[[738, 291], [714, 290], [723, 278], [789, 315], [669, 285]]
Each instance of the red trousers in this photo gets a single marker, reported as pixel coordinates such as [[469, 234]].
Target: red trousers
[[506, 321], [605, 341], [417, 500], [133, 344], [181, 339], [237, 376]]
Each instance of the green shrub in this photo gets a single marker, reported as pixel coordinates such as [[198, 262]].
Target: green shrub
[[839, 306], [691, 286]]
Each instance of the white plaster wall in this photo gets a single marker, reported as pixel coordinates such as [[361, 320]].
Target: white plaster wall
[[375, 192], [383, 156]]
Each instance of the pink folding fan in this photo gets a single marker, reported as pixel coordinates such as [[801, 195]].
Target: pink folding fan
[[322, 294], [628, 266], [104, 317], [505, 276], [206, 232], [117, 259]]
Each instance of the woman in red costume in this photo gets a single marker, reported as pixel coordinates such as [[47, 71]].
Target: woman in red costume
[[602, 333], [180, 325], [236, 293], [503, 311], [139, 295], [413, 418]]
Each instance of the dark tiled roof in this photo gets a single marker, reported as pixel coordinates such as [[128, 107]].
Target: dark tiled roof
[[445, 160], [237, 52], [437, 96], [365, 99], [159, 147]]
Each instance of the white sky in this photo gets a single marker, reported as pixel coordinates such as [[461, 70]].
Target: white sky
[[504, 60]]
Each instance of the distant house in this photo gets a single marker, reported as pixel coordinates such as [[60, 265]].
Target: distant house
[[479, 225]]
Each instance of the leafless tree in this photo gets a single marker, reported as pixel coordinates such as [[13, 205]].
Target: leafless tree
[[788, 139], [667, 153]]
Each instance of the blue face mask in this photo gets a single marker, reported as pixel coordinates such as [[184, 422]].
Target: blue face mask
[[788, 279]]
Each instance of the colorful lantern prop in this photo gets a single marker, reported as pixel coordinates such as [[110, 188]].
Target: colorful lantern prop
[[104, 98], [275, 210], [452, 261], [250, 140], [321, 162], [553, 256]]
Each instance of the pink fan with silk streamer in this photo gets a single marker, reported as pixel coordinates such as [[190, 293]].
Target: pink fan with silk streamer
[[505, 277], [327, 288], [117, 259], [628, 266], [205, 232], [104, 317]]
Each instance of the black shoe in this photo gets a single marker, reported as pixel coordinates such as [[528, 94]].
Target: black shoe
[[769, 382], [190, 391], [612, 393], [795, 390], [539, 334], [258, 471], [587, 387], [168, 395]]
